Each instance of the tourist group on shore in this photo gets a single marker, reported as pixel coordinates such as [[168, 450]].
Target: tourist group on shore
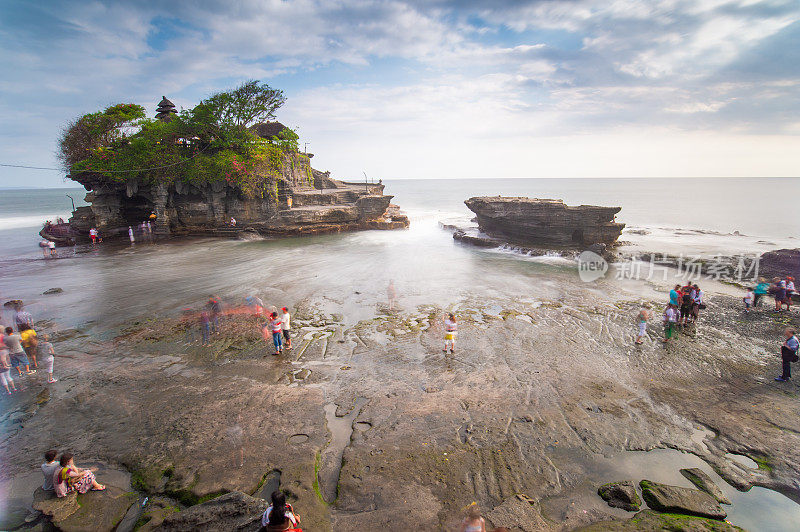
[[275, 324], [686, 302], [23, 349]]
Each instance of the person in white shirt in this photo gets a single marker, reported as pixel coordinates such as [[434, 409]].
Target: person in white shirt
[[49, 468], [670, 322], [286, 320]]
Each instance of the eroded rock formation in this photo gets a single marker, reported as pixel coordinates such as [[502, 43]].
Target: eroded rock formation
[[545, 222], [300, 200]]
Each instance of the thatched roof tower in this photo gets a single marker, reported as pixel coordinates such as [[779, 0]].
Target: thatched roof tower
[[165, 110]]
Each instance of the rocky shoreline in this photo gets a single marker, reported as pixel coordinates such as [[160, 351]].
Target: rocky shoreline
[[509, 414]]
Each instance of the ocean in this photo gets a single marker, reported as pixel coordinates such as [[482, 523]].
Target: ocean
[[111, 284]]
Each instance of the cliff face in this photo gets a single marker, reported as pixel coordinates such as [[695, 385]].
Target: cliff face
[[299, 200], [547, 222]]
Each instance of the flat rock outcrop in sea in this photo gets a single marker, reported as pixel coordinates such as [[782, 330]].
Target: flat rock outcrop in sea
[[545, 222]]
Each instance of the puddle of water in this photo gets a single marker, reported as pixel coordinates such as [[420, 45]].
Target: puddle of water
[[742, 460], [341, 429], [271, 483], [757, 509], [298, 438]]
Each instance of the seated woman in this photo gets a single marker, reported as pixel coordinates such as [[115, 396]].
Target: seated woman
[[279, 516], [77, 479]]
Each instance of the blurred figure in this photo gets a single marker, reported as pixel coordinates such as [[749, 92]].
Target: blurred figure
[[93, 235], [45, 349], [205, 327], [256, 304], [644, 315], [760, 291], [130, 234], [22, 317], [52, 246], [748, 299], [473, 522], [216, 309], [5, 367], [391, 292], [670, 322], [234, 436]]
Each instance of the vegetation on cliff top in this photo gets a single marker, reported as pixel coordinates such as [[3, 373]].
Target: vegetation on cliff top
[[207, 143]]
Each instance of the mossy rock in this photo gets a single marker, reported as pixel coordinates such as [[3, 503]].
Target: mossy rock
[[621, 495], [98, 511], [652, 521]]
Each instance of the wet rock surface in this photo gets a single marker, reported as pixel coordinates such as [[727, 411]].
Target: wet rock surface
[[700, 478], [232, 511], [650, 521], [621, 495], [92, 511], [780, 263], [674, 499], [519, 408]]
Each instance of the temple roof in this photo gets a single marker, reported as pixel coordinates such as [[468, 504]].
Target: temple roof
[[166, 103]]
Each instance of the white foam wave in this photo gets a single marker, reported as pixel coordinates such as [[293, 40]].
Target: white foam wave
[[21, 222]]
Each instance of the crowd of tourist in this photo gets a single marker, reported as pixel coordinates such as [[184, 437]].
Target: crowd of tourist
[[22, 349], [275, 324]]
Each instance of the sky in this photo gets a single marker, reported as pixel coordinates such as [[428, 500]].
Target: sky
[[431, 88]]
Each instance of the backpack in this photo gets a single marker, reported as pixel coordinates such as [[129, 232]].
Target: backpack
[[59, 486]]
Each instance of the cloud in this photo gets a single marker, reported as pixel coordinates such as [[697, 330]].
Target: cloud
[[457, 71]]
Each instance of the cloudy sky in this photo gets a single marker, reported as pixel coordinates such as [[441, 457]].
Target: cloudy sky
[[428, 89]]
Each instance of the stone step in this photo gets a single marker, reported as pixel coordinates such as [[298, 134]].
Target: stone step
[[314, 214]]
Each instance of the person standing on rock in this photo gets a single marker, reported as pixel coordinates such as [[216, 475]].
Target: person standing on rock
[[697, 302], [45, 348], [450, 331], [788, 353], [780, 294], [29, 343], [748, 300], [670, 322], [286, 324], [130, 234], [789, 292], [644, 315], [675, 295], [93, 235], [5, 368], [276, 328], [686, 305], [760, 291], [16, 353]]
